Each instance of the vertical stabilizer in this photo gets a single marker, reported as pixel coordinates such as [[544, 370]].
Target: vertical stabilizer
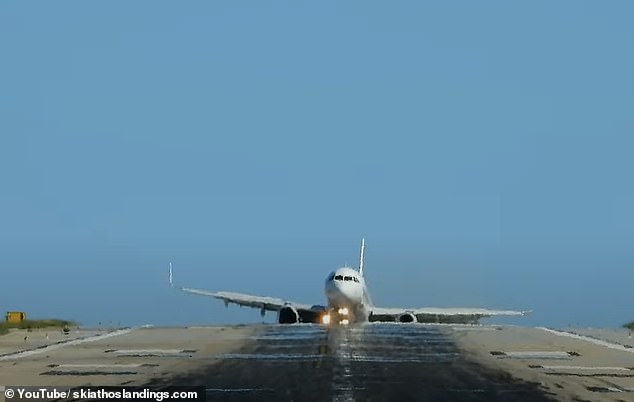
[[361, 257], [171, 277]]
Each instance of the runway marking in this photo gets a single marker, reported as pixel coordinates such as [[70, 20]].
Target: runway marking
[[463, 328], [272, 356], [595, 368], [146, 350], [152, 352], [599, 342], [89, 373], [589, 375], [284, 337], [89, 369], [237, 389], [31, 352], [96, 365], [349, 356], [604, 389], [558, 355], [419, 358]]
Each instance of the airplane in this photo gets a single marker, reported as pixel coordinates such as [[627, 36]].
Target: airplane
[[348, 302]]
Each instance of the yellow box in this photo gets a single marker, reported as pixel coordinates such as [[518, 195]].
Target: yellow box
[[15, 317]]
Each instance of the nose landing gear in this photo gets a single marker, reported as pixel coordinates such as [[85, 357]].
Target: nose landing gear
[[341, 316]]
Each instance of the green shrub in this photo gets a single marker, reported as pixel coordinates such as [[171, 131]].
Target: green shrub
[[35, 324]]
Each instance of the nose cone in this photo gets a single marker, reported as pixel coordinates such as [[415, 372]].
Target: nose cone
[[343, 293]]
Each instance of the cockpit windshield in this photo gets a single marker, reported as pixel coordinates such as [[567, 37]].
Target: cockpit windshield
[[347, 278]]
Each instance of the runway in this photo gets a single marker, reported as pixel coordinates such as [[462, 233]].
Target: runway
[[382, 362], [372, 362]]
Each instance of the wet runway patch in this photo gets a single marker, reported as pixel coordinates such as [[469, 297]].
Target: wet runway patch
[[374, 362]]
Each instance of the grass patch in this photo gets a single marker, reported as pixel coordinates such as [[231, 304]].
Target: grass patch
[[630, 326], [35, 324]]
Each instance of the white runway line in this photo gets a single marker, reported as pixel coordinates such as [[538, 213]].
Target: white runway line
[[116, 366], [74, 342], [599, 342], [148, 351], [536, 355], [476, 328], [154, 352], [593, 368], [238, 389]]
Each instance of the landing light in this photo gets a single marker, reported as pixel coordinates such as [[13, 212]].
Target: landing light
[[325, 319], [344, 322], [343, 311]]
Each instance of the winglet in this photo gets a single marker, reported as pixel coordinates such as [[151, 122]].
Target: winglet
[[171, 281], [361, 257]]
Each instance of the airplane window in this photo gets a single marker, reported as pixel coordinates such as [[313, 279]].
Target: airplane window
[[354, 278], [347, 278], [338, 278], [331, 276]]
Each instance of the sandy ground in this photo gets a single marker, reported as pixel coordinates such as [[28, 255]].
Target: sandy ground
[[621, 336], [17, 340], [123, 357], [572, 368]]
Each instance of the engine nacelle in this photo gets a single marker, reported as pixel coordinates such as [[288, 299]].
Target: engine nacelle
[[407, 317], [288, 315]]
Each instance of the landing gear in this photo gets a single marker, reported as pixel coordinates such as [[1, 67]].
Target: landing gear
[[341, 316]]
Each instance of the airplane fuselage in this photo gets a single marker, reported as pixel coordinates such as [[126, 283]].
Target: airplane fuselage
[[347, 295]]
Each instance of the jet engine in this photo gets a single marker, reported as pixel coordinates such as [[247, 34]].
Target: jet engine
[[288, 315], [407, 317]]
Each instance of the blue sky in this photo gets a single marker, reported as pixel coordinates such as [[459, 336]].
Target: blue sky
[[484, 149]]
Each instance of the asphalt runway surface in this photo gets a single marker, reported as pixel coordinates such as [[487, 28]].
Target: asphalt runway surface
[[374, 362]]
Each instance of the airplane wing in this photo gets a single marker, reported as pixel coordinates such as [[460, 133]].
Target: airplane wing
[[241, 299], [302, 312], [438, 315]]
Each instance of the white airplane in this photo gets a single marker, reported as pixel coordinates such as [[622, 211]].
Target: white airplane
[[348, 302]]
